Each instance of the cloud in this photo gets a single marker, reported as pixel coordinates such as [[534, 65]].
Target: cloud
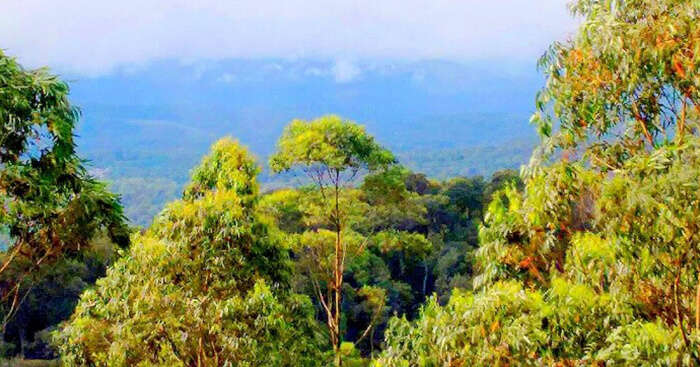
[[227, 78], [344, 71], [315, 71], [95, 37]]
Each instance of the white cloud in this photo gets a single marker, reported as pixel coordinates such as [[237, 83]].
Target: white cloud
[[227, 78], [344, 71], [93, 37], [315, 71]]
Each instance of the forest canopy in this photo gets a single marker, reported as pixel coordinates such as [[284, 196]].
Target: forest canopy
[[588, 256]]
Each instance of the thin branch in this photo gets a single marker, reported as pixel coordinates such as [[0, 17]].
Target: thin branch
[[371, 324], [321, 298], [642, 123], [15, 251], [697, 308], [678, 312], [16, 303], [681, 123]]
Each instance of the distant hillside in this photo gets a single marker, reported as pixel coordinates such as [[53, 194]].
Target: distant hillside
[[144, 129], [144, 192], [471, 161]]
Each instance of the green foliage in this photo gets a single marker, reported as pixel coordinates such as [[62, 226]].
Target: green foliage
[[284, 207], [330, 141], [643, 344], [412, 245], [509, 325], [404, 236], [48, 197], [613, 261], [51, 208], [629, 76], [50, 298], [331, 151], [526, 233], [652, 207], [228, 167], [207, 283], [594, 260]]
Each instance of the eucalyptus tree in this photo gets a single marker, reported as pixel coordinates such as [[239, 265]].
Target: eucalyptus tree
[[627, 82], [385, 270], [595, 260], [51, 206], [625, 93], [206, 285], [332, 152]]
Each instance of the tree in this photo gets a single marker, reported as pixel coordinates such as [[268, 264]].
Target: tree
[[52, 208], [626, 83], [595, 259], [331, 151], [51, 296], [206, 285], [384, 271], [626, 92]]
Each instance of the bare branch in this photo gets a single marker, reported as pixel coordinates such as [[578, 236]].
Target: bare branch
[[371, 324]]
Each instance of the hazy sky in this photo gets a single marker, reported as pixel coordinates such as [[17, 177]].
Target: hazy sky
[[92, 37]]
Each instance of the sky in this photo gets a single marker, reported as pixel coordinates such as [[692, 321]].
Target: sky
[[158, 81], [96, 38]]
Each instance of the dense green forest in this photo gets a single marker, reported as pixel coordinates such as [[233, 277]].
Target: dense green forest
[[146, 184], [148, 176], [588, 256]]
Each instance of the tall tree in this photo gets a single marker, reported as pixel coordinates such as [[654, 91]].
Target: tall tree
[[51, 206], [206, 285], [331, 151], [385, 270], [595, 260], [626, 91], [626, 83]]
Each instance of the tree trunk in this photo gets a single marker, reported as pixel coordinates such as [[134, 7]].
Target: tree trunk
[[338, 286], [679, 317], [22, 341], [425, 277], [338, 358], [338, 273], [697, 307]]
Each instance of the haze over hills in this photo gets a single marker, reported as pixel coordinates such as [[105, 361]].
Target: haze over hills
[[144, 128], [588, 256], [448, 86]]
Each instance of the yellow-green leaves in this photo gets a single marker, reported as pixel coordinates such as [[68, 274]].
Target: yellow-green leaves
[[207, 284], [329, 141], [229, 166], [51, 207], [525, 234], [508, 325], [627, 82]]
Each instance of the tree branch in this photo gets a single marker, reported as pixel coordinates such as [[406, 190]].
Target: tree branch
[[371, 324]]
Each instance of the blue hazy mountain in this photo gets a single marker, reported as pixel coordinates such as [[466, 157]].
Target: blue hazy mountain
[[143, 128]]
